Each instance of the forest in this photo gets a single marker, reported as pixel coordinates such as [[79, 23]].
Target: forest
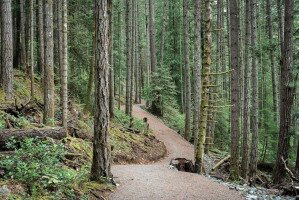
[[112, 99]]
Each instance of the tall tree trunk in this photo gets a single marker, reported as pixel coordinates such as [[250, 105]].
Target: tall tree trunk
[[140, 54], [163, 33], [137, 66], [235, 93], [101, 150], [16, 38], [197, 71], [255, 97], [207, 62], [111, 61], [222, 48], [119, 54], [280, 8], [41, 37], [64, 62], [246, 112], [187, 71], [49, 64], [7, 48], [133, 61], [56, 32], [128, 54], [23, 34], [31, 49], [228, 35], [271, 55], [156, 108], [90, 80], [287, 92], [152, 30]]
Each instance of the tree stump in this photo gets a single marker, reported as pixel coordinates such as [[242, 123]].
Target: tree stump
[[182, 164]]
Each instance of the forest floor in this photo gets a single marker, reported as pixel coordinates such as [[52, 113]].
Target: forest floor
[[158, 180]]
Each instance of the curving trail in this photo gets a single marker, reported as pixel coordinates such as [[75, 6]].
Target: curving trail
[[157, 181]]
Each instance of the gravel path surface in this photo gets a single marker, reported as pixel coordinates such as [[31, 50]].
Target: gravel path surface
[[158, 181]]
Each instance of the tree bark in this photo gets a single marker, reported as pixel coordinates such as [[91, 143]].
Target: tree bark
[[235, 91], [119, 55], [111, 60], [101, 149], [287, 92], [163, 33], [90, 80], [133, 60], [49, 64], [246, 112], [23, 34], [31, 49], [64, 62], [271, 55], [188, 132], [223, 48], [41, 37], [197, 71], [128, 54], [199, 161], [255, 97], [7, 48], [152, 30]]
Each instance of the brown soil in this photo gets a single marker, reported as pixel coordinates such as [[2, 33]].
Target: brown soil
[[147, 151], [157, 181]]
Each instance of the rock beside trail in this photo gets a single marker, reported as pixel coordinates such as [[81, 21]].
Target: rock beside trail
[[4, 191], [255, 193]]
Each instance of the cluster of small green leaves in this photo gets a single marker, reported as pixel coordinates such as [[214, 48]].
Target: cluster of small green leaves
[[37, 164], [124, 119], [20, 122]]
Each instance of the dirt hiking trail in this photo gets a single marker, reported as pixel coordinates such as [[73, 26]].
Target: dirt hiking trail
[[157, 180]]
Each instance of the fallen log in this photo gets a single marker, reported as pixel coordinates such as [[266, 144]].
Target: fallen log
[[221, 162], [289, 172], [19, 134]]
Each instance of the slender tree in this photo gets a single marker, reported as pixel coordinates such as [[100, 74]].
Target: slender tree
[[31, 49], [163, 32], [49, 63], [197, 71], [272, 60], [41, 37], [111, 61], [128, 54], [90, 80], [152, 34], [64, 62], [101, 150], [119, 53], [204, 107], [287, 92], [187, 71], [7, 48], [235, 91], [246, 112], [23, 33], [255, 96]]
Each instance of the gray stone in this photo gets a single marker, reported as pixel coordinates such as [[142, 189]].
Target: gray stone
[[4, 190], [251, 197]]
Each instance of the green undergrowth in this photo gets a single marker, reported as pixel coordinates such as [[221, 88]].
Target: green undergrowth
[[42, 169]]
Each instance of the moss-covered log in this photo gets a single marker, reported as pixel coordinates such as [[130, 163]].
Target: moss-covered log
[[19, 134]]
